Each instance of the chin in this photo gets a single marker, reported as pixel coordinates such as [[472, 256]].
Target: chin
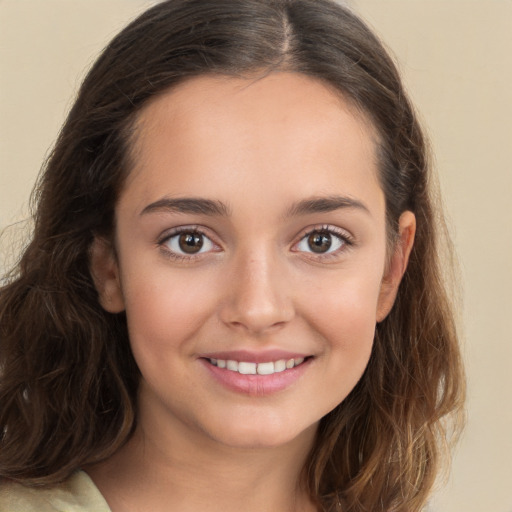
[[267, 434]]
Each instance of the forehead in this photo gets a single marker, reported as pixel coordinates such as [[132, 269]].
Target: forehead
[[284, 132]]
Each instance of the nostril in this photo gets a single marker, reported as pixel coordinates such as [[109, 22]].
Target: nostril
[[257, 325]]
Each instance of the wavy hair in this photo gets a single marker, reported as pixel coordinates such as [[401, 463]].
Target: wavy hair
[[68, 380]]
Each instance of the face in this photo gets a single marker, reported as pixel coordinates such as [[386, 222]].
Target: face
[[251, 257]]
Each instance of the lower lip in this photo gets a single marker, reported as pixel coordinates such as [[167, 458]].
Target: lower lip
[[257, 385]]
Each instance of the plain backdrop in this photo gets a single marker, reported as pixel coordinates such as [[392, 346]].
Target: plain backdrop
[[456, 58]]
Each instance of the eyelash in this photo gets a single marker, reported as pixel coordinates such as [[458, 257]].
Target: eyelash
[[344, 238], [193, 230]]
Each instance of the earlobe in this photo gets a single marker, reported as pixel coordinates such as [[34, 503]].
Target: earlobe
[[105, 274], [397, 265]]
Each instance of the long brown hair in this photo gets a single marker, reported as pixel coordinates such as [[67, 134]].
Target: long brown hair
[[68, 380]]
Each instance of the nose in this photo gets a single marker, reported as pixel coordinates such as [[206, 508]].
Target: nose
[[257, 297]]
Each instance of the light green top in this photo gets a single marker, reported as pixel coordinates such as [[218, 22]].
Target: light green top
[[77, 494]]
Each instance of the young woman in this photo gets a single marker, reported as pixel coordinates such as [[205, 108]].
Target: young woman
[[232, 299]]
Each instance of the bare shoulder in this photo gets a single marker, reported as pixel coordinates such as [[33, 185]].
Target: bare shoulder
[[77, 494]]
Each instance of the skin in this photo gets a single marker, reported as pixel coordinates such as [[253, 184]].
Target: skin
[[259, 148]]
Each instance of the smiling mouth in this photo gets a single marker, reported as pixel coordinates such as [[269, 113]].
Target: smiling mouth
[[264, 368]]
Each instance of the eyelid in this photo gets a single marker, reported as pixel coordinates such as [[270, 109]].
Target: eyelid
[[170, 233], [346, 237]]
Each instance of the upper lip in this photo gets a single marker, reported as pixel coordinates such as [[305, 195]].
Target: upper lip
[[261, 356]]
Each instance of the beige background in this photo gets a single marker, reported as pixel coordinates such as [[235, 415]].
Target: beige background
[[456, 56]]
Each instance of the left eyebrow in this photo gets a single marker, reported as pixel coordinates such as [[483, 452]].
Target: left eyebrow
[[324, 205], [194, 205]]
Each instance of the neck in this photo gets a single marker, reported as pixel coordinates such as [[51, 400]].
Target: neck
[[187, 471]]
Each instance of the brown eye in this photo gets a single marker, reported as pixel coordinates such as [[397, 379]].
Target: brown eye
[[190, 243], [320, 241]]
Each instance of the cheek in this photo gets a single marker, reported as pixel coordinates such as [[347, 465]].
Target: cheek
[[350, 327], [343, 312], [346, 305], [164, 309]]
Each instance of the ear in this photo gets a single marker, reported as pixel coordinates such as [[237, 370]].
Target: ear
[[397, 264], [105, 274]]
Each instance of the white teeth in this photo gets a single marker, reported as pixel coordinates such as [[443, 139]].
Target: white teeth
[[247, 368], [232, 365], [266, 368], [280, 366]]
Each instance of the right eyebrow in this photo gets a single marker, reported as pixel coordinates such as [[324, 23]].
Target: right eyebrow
[[192, 205], [326, 204]]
